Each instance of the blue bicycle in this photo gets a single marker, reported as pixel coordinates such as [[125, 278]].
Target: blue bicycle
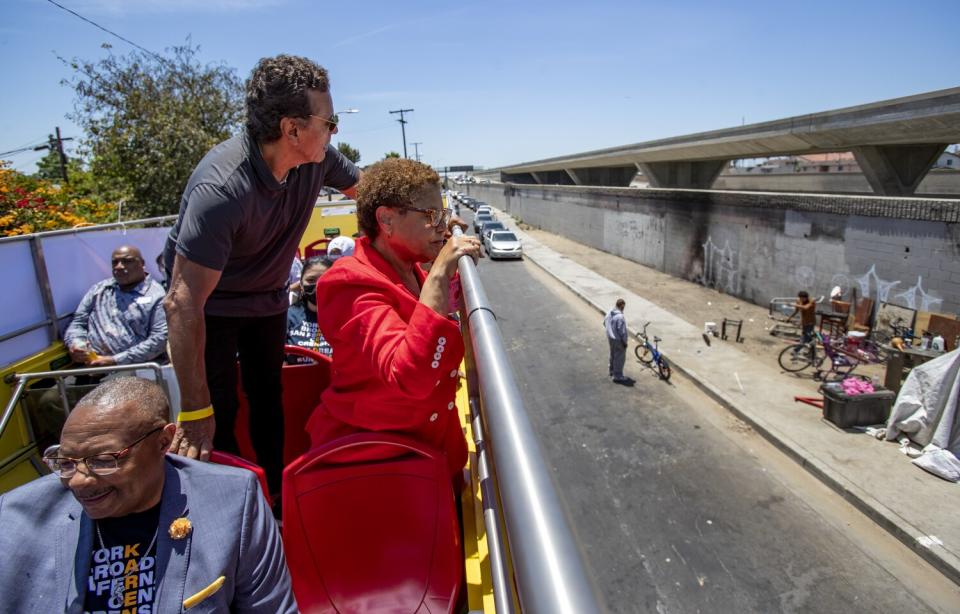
[[650, 355]]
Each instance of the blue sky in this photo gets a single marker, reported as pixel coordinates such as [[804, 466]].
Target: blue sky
[[497, 82]]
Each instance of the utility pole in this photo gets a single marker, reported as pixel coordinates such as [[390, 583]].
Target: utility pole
[[56, 144], [416, 149], [403, 127]]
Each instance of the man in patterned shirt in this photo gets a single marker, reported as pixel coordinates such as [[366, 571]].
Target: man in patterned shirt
[[120, 320]]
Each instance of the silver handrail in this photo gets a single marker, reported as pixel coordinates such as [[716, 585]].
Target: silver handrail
[[551, 576], [503, 589], [92, 228], [23, 378]]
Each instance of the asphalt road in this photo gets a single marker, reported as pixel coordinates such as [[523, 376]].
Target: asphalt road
[[677, 509]]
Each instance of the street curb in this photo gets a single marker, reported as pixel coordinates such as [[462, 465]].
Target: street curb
[[944, 561]]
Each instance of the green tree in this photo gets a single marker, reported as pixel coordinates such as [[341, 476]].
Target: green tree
[[350, 153], [148, 120], [391, 154], [48, 167]]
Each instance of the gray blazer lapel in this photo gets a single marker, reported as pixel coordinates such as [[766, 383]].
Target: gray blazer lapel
[[74, 545], [173, 556]]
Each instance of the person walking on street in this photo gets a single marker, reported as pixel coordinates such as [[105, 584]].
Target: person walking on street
[[616, 327]]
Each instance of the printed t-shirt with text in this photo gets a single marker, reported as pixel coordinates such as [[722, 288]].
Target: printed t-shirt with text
[[122, 569]]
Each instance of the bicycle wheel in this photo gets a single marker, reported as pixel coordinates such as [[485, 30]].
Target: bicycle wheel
[[797, 357], [643, 354], [837, 369], [663, 368], [872, 352]]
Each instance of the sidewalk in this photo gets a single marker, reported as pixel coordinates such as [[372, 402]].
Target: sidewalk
[[916, 507]]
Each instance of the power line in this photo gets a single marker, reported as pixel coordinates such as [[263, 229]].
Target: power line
[[112, 33], [15, 151], [32, 142]]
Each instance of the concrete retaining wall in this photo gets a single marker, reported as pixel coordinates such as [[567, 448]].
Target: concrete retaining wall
[[757, 246]]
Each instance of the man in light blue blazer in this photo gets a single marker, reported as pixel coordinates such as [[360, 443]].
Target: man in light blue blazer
[[122, 526]]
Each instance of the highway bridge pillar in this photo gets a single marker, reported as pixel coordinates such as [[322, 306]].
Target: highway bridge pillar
[[517, 178], [609, 176], [698, 174], [897, 170]]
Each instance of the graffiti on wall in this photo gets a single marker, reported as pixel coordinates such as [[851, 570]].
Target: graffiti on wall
[[882, 287], [721, 267], [918, 298], [881, 290], [631, 229], [804, 277]]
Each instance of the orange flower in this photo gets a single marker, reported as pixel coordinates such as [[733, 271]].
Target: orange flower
[[180, 528]]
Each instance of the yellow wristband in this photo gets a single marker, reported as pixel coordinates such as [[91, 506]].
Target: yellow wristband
[[197, 414]]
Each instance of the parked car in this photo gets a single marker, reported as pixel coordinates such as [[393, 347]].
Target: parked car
[[478, 221], [504, 244], [486, 229], [485, 209]]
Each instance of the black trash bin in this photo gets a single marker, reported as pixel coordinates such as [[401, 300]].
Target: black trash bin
[[856, 410]]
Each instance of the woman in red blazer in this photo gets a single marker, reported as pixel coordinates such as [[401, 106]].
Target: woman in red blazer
[[396, 348]]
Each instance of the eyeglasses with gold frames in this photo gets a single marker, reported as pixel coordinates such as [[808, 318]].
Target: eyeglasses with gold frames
[[439, 218]]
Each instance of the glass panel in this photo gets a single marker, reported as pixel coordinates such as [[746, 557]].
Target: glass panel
[[77, 261], [20, 302], [44, 407]]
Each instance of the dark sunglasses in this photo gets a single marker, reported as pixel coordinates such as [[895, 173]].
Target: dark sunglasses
[[332, 122]]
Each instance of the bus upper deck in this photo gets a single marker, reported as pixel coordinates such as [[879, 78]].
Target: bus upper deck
[[518, 552]]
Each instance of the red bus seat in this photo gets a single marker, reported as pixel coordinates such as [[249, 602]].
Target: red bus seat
[[302, 386], [379, 536], [223, 458], [317, 248]]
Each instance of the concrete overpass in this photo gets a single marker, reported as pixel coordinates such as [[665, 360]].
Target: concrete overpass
[[895, 142]]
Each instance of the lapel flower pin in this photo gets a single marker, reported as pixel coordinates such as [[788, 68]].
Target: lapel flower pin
[[180, 528]]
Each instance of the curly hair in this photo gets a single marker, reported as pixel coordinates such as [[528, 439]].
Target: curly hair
[[277, 88], [394, 181]]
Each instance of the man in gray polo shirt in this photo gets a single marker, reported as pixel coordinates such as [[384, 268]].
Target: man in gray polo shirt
[[242, 215]]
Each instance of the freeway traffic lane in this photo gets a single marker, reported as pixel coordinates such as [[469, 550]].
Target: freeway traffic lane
[[673, 515]]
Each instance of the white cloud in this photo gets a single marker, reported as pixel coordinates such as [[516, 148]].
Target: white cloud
[[404, 23], [127, 7]]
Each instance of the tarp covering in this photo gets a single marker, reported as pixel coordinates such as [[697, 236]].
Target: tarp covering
[[926, 412]]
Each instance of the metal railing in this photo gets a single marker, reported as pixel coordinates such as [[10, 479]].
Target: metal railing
[[550, 575], [22, 379], [94, 228], [51, 319]]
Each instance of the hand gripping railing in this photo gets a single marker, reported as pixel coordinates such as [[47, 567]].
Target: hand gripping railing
[[550, 575]]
